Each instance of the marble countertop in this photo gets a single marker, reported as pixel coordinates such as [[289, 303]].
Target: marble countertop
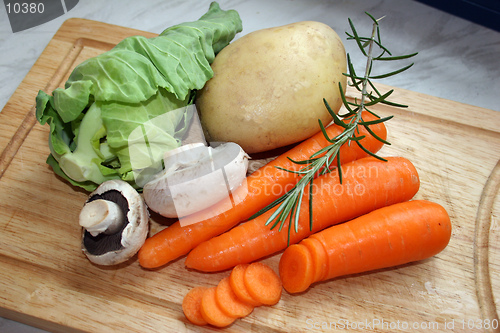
[[458, 60]]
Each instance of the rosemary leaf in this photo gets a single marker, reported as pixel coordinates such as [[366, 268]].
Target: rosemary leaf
[[396, 57], [311, 187], [369, 152], [339, 122], [270, 206], [357, 138], [379, 99], [276, 213], [344, 100], [293, 171], [383, 76], [297, 213], [289, 232], [376, 136], [394, 104], [385, 101], [298, 162], [339, 167], [321, 151], [373, 122], [328, 108], [356, 37]]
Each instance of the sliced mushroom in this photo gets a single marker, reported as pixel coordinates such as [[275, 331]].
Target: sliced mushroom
[[196, 177], [115, 223]]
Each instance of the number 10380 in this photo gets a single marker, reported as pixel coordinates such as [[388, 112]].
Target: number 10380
[[25, 8], [479, 323]]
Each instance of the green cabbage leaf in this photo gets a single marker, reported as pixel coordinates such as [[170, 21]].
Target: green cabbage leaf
[[122, 110]]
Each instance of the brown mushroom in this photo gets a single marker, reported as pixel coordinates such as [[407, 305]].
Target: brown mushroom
[[115, 223]]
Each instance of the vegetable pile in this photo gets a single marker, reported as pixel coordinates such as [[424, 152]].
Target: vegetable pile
[[261, 188], [331, 204]]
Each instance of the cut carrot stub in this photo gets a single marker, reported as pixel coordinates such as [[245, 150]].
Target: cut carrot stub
[[262, 283], [386, 237], [191, 306], [211, 311], [296, 268], [236, 280], [229, 303], [318, 253]]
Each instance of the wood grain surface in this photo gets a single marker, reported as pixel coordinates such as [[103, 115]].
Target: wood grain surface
[[47, 282]]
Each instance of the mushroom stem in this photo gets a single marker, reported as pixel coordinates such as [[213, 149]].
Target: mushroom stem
[[101, 216]]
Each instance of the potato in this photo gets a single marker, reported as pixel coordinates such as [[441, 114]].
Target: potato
[[268, 86]]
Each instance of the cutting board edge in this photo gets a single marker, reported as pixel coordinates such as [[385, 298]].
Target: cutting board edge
[[71, 31], [489, 120], [482, 276]]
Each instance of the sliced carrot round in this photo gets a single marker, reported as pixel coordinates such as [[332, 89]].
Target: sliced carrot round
[[319, 257], [211, 312], [262, 283], [296, 268], [229, 303], [238, 285], [191, 305]]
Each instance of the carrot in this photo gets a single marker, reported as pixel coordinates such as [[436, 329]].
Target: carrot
[[262, 283], [260, 189], [229, 303], [191, 306], [211, 311], [387, 237], [367, 184], [237, 282]]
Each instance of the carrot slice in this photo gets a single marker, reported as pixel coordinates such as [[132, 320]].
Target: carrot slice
[[229, 303], [236, 280], [191, 305], [319, 257], [296, 268], [262, 283], [211, 312]]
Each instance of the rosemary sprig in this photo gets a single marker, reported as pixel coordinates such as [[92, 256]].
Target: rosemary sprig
[[289, 205]]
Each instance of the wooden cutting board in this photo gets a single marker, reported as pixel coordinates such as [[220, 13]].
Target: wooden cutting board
[[47, 282]]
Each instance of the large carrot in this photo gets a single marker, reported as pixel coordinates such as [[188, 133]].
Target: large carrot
[[387, 237], [367, 184], [261, 188]]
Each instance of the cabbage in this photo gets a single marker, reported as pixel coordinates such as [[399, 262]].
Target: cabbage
[[140, 86]]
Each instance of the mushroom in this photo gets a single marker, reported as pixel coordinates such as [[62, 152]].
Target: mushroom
[[196, 177], [115, 223]]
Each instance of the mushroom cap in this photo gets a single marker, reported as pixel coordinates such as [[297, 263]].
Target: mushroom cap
[[196, 177], [111, 249]]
